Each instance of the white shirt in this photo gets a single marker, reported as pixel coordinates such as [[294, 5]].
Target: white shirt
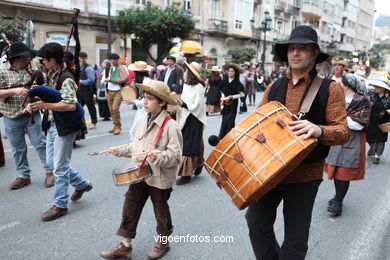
[[167, 74]]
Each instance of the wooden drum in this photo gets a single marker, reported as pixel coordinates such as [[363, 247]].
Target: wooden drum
[[131, 174], [257, 154]]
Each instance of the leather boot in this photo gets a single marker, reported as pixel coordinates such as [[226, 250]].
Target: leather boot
[[159, 250], [183, 180], [50, 180], [120, 251], [53, 213], [335, 208], [19, 183], [77, 194]]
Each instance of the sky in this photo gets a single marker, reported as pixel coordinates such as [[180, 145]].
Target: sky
[[382, 7]]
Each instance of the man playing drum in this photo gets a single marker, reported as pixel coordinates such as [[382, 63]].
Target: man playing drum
[[326, 121], [153, 131]]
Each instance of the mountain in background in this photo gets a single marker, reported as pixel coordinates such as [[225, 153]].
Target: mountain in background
[[383, 21]]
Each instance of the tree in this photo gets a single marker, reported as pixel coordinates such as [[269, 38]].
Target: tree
[[242, 54], [13, 28], [152, 24]]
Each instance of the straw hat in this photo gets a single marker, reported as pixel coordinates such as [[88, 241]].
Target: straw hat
[[234, 66], [379, 84], [215, 68], [195, 68], [159, 89], [339, 60], [140, 66]]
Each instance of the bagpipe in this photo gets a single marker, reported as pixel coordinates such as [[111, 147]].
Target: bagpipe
[[47, 94]]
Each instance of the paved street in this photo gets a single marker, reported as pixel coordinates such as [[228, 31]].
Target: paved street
[[200, 208]]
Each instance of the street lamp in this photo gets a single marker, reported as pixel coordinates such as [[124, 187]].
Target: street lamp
[[265, 26]]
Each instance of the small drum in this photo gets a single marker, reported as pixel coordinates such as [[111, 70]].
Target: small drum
[[129, 92], [131, 174], [257, 154]]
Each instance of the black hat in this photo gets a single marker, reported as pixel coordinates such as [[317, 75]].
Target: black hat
[[52, 50], [302, 34], [19, 49], [83, 55], [113, 56], [170, 57]]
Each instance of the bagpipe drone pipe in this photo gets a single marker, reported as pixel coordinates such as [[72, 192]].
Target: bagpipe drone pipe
[[47, 94]]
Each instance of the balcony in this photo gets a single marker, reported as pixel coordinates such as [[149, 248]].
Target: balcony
[[100, 6], [218, 25], [280, 6]]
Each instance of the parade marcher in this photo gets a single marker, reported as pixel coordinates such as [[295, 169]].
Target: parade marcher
[[59, 139], [231, 91], [252, 82], [326, 121], [2, 154], [104, 110], [164, 166], [213, 100], [347, 162], [173, 75], [191, 119], [14, 74], [380, 114], [244, 79], [117, 77], [87, 88], [339, 65]]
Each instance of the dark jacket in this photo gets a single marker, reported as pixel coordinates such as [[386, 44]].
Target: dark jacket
[[175, 81]]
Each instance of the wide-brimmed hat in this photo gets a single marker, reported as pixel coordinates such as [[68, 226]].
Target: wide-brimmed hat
[[339, 60], [302, 34], [158, 89], [379, 84], [113, 56], [215, 69], [140, 66], [19, 49], [196, 69], [54, 50], [234, 66]]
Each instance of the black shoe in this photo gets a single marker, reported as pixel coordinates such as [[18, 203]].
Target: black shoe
[[376, 160], [335, 208], [370, 153], [330, 202], [2, 163], [198, 171], [183, 180], [106, 119]]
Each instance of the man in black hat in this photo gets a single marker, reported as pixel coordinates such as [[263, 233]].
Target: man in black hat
[[14, 76], [117, 78], [173, 75], [87, 88], [60, 137], [326, 121]]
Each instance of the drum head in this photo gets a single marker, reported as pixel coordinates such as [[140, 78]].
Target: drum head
[[128, 92]]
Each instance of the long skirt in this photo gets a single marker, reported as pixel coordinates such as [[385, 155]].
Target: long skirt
[[104, 110], [228, 119], [349, 174], [193, 147]]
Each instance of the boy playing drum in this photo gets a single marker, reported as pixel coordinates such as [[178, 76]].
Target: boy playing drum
[[164, 166]]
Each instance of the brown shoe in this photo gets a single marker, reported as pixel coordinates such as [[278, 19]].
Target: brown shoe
[[53, 213], [19, 183], [120, 251], [77, 194], [117, 131], [50, 180], [111, 130], [159, 250]]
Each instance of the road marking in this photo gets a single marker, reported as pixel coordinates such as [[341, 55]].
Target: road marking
[[363, 245], [9, 225]]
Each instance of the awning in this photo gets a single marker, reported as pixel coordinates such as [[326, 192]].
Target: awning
[[189, 47]]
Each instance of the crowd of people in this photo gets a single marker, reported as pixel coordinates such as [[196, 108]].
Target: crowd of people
[[172, 104]]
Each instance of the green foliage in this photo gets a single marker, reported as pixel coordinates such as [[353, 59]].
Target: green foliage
[[242, 54], [13, 28], [152, 24]]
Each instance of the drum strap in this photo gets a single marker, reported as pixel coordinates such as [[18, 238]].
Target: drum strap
[[310, 96], [142, 164]]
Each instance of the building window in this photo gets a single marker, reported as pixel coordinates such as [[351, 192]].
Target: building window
[[238, 25], [214, 9], [167, 3], [141, 2]]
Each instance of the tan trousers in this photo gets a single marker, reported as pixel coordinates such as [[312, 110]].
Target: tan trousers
[[114, 100]]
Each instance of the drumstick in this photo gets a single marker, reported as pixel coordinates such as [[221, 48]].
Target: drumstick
[[121, 146]]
